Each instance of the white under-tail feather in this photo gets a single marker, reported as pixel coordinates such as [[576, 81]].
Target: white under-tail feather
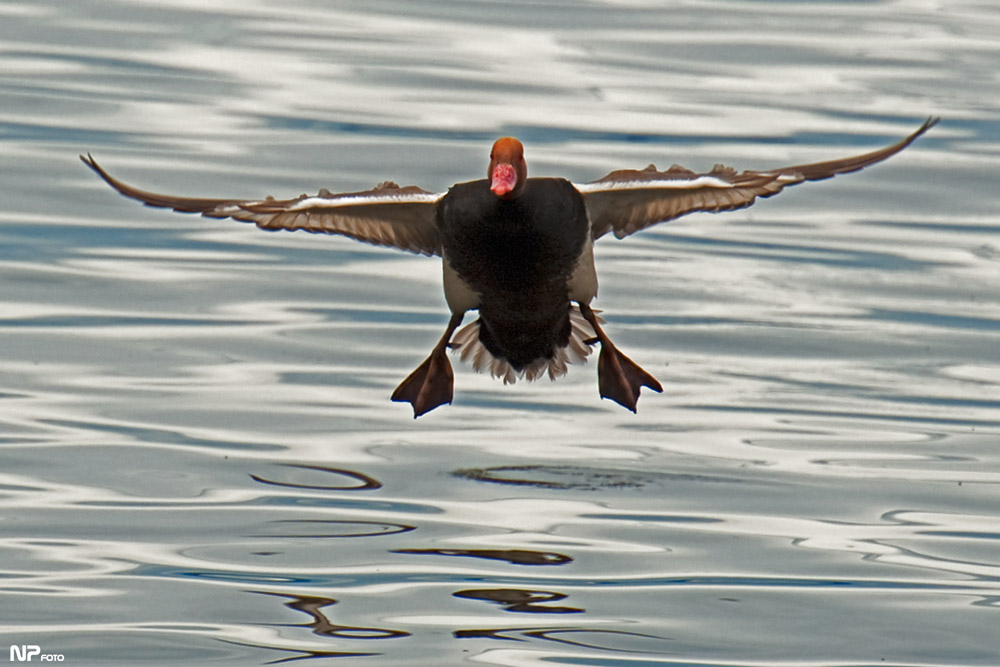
[[470, 349]]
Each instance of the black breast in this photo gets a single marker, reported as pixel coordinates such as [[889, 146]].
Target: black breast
[[517, 254]]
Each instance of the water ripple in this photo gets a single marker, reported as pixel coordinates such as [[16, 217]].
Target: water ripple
[[199, 463]]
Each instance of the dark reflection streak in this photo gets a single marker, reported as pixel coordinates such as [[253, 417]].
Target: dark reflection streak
[[544, 634], [518, 600], [547, 635], [559, 477], [573, 477], [962, 534], [366, 481], [992, 601], [514, 556], [486, 633], [306, 655], [487, 475], [393, 528], [322, 626], [310, 655], [929, 561]]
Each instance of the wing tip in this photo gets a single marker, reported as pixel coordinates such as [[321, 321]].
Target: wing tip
[[928, 124], [89, 160], [119, 187]]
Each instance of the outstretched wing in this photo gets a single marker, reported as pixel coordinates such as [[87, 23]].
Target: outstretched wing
[[629, 200], [387, 215]]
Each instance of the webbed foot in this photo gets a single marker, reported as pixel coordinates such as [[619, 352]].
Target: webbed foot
[[433, 382], [618, 377], [430, 385]]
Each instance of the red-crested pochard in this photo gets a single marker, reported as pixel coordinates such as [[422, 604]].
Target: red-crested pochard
[[517, 249]]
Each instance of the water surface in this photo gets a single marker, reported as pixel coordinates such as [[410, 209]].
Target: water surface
[[199, 463]]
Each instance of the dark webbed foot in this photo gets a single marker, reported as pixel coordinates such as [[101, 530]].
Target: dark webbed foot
[[618, 377], [432, 383]]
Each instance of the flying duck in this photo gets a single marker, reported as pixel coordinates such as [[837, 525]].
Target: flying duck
[[518, 250]]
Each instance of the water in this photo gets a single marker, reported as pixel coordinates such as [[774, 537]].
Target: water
[[199, 463]]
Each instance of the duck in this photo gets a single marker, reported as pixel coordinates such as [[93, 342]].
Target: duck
[[519, 250]]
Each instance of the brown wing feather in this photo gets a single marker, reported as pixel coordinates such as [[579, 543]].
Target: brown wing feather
[[386, 215], [628, 200]]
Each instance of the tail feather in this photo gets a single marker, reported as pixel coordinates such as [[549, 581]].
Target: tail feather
[[470, 349]]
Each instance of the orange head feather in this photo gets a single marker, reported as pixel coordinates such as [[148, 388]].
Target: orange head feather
[[508, 171]]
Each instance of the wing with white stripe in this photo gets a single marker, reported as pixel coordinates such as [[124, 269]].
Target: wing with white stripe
[[630, 200], [387, 215]]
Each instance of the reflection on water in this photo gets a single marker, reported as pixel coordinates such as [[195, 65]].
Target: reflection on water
[[515, 556], [360, 481], [321, 625], [603, 640], [579, 477], [199, 462], [516, 600], [289, 528]]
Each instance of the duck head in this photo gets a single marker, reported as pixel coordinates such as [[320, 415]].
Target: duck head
[[508, 171]]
